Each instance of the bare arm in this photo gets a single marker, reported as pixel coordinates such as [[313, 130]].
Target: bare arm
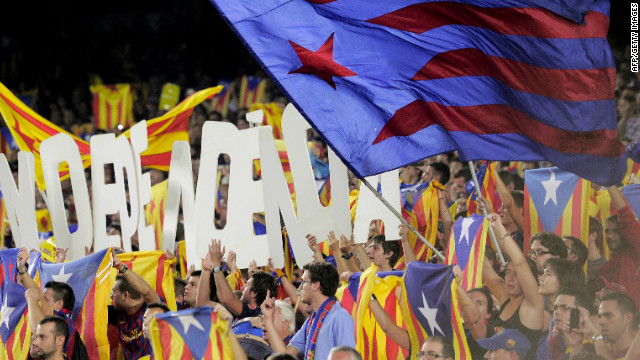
[[225, 293], [334, 244], [34, 298], [507, 201], [470, 312], [348, 246], [409, 255], [447, 219], [137, 282], [634, 349], [493, 282], [393, 331], [204, 291], [27, 281], [532, 307]]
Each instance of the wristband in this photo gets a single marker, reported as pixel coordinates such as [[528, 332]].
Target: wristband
[[597, 337], [347, 256], [124, 269], [373, 297], [504, 236], [26, 267], [206, 268], [278, 274]]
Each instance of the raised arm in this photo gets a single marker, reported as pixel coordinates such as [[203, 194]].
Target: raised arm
[[445, 214], [507, 201], [347, 246], [470, 312], [334, 244], [136, 281], [268, 308], [532, 307], [409, 255], [225, 293], [390, 328], [34, 299], [204, 289], [313, 245]]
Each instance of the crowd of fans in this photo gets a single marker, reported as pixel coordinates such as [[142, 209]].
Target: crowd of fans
[[561, 298]]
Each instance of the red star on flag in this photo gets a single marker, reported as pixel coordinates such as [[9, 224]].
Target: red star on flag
[[320, 63]]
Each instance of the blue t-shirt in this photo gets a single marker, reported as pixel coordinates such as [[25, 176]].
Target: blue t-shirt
[[336, 330]]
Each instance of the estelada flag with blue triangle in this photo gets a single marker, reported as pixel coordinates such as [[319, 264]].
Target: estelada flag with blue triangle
[[89, 278], [557, 201], [429, 307], [14, 325], [466, 249], [190, 334]]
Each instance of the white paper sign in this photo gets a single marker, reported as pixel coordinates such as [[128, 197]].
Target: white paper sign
[[21, 205], [371, 208]]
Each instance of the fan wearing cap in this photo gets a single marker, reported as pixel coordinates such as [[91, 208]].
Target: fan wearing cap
[[508, 344]]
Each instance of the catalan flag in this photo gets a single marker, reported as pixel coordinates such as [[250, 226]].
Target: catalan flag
[[154, 211], [324, 193], [423, 216], [112, 106], [169, 127], [556, 201], [430, 308], [289, 257], [371, 341], [272, 116], [30, 129], [182, 259], [632, 194], [347, 293], [155, 269], [190, 334], [466, 249], [632, 168], [14, 325], [221, 102], [252, 90], [43, 220], [487, 181], [7, 144], [89, 278]]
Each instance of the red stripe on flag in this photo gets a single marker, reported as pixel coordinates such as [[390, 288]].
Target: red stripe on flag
[[498, 119], [88, 324], [572, 84], [534, 21], [160, 277]]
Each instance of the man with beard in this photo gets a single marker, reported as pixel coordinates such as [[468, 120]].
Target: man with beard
[[51, 335], [622, 233], [328, 326]]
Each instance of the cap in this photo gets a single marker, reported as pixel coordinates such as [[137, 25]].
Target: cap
[[508, 339]]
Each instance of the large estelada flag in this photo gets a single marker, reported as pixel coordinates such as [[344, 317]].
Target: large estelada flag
[[430, 308], [14, 325], [557, 201], [390, 83], [169, 127], [30, 129], [112, 106], [252, 90], [466, 249], [371, 340], [190, 334], [155, 268], [89, 278]]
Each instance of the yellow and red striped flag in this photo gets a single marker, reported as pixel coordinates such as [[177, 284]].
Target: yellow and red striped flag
[[154, 211], [190, 334], [155, 268], [371, 341], [423, 216], [112, 106], [30, 129], [221, 102], [272, 116], [252, 90], [172, 126], [182, 259], [556, 201]]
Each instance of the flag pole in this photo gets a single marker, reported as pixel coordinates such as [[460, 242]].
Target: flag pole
[[403, 220], [484, 211]]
